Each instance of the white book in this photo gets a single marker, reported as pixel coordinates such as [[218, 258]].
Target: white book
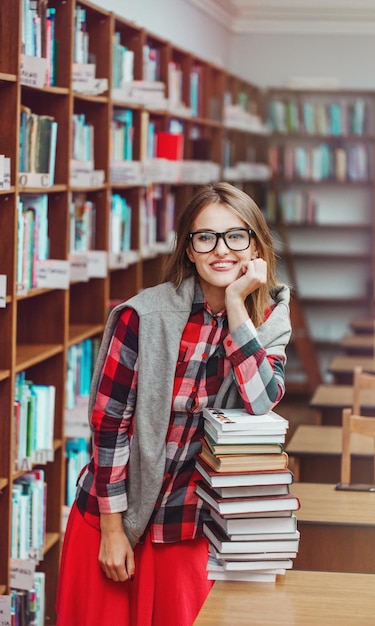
[[255, 526], [243, 436], [239, 420], [238, 566], [252, 556], [230, 479], [224, 544], [255, 577], [252, 491]]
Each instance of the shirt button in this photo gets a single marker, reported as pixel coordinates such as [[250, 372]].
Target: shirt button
[[204, 355], [214, 322], [194, 389], [157, 505], [229, 342], [167, 476], [180, 444]]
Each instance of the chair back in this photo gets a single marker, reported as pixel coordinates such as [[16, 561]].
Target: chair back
[[354, 422]]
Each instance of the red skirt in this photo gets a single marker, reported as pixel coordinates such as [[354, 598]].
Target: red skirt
[[169, 588]]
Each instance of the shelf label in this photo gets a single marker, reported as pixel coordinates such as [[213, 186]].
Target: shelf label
[[33, 71], [3, 291], [21, 573], [85, 81], [34, 179], [52, 274], [76, 423], [78, 267], [97, 263], [24, 463], [5, 616]]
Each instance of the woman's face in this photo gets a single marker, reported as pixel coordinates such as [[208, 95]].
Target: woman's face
[[220, 267]]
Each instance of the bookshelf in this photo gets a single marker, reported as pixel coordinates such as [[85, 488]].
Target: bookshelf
[[59, 299], [322, 204]]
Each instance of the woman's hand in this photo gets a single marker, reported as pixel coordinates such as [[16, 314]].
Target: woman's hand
[[116, 556], [253, 276]]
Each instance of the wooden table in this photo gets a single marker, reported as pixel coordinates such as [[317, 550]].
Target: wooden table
[[363, 325], [316, 454], [337, 529], [358, 344], [296, 599], [329, 400], [342, 367]]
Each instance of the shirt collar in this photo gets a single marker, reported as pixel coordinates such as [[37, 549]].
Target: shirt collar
[[199, 302]]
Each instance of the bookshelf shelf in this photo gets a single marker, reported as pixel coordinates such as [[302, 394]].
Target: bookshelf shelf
[[51, 540], [31, 354], [80, 332], [4, 374], [3, 483]]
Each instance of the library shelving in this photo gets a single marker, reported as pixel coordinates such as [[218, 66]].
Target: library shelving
[[322, 204], [132, 125]]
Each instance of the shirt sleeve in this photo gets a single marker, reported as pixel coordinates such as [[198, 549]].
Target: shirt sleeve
[[111, 419], [259, 374]]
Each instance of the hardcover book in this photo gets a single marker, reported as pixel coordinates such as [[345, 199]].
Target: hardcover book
[[287, 502], [255, 526], [243, 478], [224, 544], [242, 448], [239, 420], [238, 462]]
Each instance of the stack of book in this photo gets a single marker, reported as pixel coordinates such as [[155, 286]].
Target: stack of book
[[245, 485]]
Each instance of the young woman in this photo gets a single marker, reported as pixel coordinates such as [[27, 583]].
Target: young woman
[[214, 333]]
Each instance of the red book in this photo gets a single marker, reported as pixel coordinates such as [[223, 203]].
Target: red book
[[169, 146]]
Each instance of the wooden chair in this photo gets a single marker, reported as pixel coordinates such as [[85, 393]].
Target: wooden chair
[[354, 422]]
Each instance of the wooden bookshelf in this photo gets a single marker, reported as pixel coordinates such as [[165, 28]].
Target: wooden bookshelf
[[39, 324], [326, 206]]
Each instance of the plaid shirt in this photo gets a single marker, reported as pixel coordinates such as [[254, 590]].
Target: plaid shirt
[[207, 354]]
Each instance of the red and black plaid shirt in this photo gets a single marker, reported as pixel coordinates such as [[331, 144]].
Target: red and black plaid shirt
[[207, 354]]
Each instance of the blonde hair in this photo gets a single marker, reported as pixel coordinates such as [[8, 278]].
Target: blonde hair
[[178, 266]]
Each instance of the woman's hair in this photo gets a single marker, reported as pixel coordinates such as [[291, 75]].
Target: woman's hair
[[178, 266]]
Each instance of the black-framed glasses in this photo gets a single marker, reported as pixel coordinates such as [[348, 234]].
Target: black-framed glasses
[[236, 239]]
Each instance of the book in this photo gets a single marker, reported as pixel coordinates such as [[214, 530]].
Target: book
[[287, 502], [244, 478], [242, 448], [239, 420], [252, 490], [251, 556], [255, 577], [238, 462], [243, 437], [261, 564], [224, 544], [258, 525]]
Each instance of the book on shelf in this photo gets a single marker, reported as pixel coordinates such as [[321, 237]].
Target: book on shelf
[[224, 544], [238, 420], [243, 478], [286, 502], [255, 525], [242, 448], [238, 462]]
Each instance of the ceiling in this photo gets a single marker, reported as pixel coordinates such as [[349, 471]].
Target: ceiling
[[293, 16]]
